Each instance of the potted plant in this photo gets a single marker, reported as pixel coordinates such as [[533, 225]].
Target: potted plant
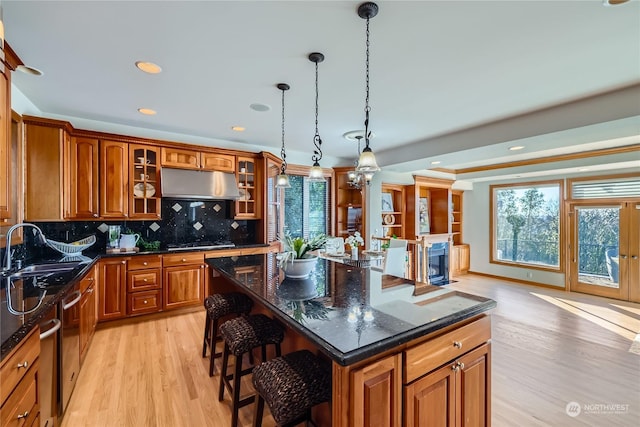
[[296, 260]]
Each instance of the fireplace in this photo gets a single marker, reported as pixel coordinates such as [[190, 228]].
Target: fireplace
[[439, 263]]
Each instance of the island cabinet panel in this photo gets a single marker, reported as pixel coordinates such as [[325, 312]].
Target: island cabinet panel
[[112, 285], [376, 394], [430, 401], [83, 186], [183, 280], [114, 179]]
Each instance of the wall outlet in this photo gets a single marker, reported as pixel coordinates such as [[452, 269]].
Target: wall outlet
[[530, 274]]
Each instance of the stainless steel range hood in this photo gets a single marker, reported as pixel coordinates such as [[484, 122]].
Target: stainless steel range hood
[[190, 184]]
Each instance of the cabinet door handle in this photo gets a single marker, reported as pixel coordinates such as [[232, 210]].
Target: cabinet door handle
[[95, 215], [144, 280], [123, 262], [457, 344], [623, 256], [145, 301], [460, 365], [455, 367], [24, 415], [202, 266], [634, 256], [125, 215], [24, 364], [145, 263], [184, 260]]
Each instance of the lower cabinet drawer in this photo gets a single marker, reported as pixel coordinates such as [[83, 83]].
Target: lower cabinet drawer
[[144, 280], [22, 408], [18, 363], [434, 353], [144, 302]]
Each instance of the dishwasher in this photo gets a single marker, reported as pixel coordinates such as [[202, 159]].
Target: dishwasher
[[48, 369], [69, 346]]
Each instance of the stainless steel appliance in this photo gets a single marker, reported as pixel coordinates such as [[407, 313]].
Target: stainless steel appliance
[[48, 370], [192, 184], [70, 346]]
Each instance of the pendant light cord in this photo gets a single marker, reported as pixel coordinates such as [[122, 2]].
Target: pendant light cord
[[283, 155], [317, 141], [367, 109]]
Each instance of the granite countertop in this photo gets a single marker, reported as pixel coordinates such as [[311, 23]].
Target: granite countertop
[[25, 302], [343, 309]]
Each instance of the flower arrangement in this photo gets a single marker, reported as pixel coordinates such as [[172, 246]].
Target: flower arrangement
[[354, 240], [298, 247]]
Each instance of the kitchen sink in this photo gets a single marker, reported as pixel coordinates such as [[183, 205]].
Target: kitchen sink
[[45, 269]]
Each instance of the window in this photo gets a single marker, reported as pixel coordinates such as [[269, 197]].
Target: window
[[526, 224], [307, 210]]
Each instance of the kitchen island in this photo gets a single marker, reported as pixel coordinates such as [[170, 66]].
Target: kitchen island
[[397, 359]]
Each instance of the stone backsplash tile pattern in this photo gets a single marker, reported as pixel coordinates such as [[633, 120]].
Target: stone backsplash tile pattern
[[182, 221]]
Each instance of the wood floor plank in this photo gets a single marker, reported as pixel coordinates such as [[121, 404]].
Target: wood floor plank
[[549, 348]]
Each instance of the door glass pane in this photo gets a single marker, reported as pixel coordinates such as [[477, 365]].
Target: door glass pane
[[598, 245]]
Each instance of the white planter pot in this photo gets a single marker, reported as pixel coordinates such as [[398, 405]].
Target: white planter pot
[[299, 268]]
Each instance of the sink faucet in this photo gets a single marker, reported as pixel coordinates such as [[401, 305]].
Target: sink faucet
[[7, 257]]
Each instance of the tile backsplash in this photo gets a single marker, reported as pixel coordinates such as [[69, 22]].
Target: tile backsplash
[[182, 221]]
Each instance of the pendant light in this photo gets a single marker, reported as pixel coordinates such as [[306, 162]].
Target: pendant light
[[282, 180], [315, 173], [367, 161]]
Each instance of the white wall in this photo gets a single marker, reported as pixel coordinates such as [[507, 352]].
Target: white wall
[[476, 233]]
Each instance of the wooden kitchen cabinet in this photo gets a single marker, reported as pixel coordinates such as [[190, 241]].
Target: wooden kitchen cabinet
[[88, 311], [350, 205], [144, 285], [393, 221], [191, 159], [45, 180], [114, 179], [82, 166], [184, 279], [457, 394], [376, 393], [112, 286], [144, 182], [248, 205], [19, 397]]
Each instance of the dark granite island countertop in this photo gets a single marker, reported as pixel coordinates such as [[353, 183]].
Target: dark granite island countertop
[[344, 310]]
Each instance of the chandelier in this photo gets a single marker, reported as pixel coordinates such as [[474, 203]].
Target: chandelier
[[357, 179]]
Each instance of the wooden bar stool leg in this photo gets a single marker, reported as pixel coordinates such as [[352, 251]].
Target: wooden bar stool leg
[[223, 374], [214, 339], [259, 410], [207, 326], [237, 377]]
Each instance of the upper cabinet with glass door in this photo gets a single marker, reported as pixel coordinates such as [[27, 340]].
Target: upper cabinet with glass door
[[144, 179], [248, 205]]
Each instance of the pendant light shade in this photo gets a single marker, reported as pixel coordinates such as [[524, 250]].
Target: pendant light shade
[[367, 161], [282, 180], [315, 173]]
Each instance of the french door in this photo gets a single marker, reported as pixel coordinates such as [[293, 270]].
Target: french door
[[604, 247]]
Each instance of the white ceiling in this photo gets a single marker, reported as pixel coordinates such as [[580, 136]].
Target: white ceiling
[[454, 81]]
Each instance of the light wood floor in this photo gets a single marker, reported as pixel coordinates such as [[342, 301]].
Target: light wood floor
[[549, 348]]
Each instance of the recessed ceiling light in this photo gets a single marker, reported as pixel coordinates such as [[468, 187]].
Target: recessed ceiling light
[[238, 128], [148, 67], [147, 111], [29, 70], [583, 169], [614, 2], [516, 147], [260, 107], [435, 162]]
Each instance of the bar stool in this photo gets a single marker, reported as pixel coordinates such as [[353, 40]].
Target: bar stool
[[291, 385], [241, 335], [218, 306]]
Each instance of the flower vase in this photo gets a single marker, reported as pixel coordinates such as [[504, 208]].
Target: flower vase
[[354, 253]]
